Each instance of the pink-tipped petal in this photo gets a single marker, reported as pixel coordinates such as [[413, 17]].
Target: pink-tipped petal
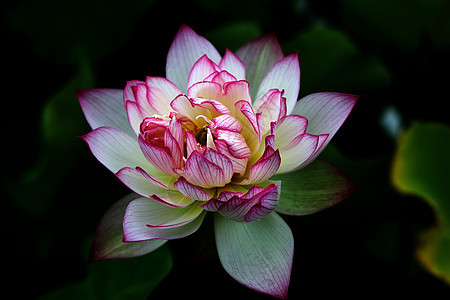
[[223, 162], [265, 167], [298, 151], [205, 90], [104, 108], [259, 56], [191, 191], [160, 93], [185, 50], [288, 128], [134, 116], [236, 91], [227, 122], [201, 70], [272, 107], [259, 254], [326, 113], [147, 219], [231, 63], [141, 182], [285, 75], [160, 158], [115, 149], [201, 172]]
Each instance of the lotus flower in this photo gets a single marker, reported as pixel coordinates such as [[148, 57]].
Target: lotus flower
[[209, 138]]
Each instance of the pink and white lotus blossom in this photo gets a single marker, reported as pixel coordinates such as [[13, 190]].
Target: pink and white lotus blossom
[[209, 138]]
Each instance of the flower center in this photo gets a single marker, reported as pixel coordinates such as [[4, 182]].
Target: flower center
[[201, 136]]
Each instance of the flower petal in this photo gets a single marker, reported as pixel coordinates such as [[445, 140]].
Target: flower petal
[[160, 158], [108, 240], [298, 151], [134, 116], [285, 75], [104, 107], [231, 63], [191, 191], [259, 56], [201, 69], [160, 93], [325, 112], [115, 149], [257, 255], [185, 50], [147, 219], [265, 167], [201, 172], [288, 128], [313, 188], [140, 182]]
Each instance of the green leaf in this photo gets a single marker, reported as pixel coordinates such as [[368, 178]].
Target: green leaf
[[422, 168], [132, 278], [313, 188], [258, 254]]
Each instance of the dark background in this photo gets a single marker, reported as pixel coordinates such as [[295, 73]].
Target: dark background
[[393, 53]]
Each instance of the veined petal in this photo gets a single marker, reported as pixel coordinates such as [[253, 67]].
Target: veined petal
[[104, 108], [313, 188], [201, 172], [239, 164], [223, 162], [141, 182], [259, 254], [186, 107], [265, 167], [191, 191], [259, 56], [108, 241], [185, 50], [231, 63], [227, 122], [288, 128], [134, 116], [272, 107], [251, 124], [115, 149], [236, 91], [326, 112], [160, 93], [299, 150], [147, 219], [205, 90], [160, 158], [201, 70], [285, 75]]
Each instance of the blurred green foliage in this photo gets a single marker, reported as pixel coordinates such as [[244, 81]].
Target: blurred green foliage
[[394, 53]]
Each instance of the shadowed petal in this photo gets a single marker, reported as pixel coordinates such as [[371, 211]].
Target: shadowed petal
[[108, 241], [259, 56], [257, 255], [298, 151], [160, 158], [186, 49]]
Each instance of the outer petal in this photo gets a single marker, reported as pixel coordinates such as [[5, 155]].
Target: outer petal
[[325, 112], [185, 50], [191, 191], [115, 149], [259, 56], [108, 238], [104, 107], [140, 182], [314, 188], [285, 75], [147, 219], [231, 63], [258, 255]]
